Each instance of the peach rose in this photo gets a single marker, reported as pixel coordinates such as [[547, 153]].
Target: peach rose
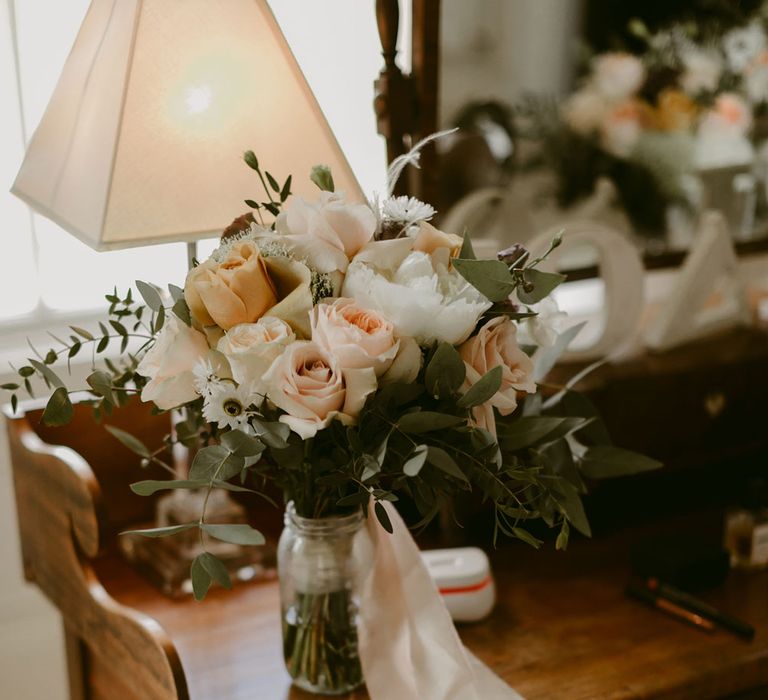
[[308, 384], [429, 240], [237, 290], [496, 345], [357, 337], [170, 364], [251, 348], [328, 232]]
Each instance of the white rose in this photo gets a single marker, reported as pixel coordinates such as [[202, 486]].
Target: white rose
[[617, 75], [544, 328], [252, 347], [358, 337], [424, 298], [328, 233], [170, 365]]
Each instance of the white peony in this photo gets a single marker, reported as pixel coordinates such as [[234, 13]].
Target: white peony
[[170, 365], [424, 297]]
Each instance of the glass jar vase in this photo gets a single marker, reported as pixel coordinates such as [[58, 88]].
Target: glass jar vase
[[319, 563]]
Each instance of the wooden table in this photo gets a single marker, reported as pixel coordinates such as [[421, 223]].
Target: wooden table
[[562, 628]]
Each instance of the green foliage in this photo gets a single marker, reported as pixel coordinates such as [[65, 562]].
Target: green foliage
[[322, 177], [491, 278]]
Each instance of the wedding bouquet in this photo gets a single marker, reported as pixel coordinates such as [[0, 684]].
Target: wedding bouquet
[[348, 353]]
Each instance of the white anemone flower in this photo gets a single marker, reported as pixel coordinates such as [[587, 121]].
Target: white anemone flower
[[227, 405]]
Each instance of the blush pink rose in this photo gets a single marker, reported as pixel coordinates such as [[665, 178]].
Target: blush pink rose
[[495, 345], [307, 382], [357, 337]]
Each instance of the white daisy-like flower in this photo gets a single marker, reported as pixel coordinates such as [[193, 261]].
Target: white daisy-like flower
[[205, 377], [408, 210], [226, 404]]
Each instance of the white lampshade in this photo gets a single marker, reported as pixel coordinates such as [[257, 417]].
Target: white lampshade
[[143, 138]]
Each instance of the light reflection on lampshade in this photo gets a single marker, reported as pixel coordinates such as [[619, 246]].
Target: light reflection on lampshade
[[142, 140]]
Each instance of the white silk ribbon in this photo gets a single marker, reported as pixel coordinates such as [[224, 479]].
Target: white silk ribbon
[[409, 647]]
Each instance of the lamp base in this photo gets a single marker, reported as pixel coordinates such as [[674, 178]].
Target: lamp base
[[166, 561]]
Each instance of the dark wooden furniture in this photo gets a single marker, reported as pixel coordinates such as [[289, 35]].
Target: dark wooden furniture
[[562, 629]]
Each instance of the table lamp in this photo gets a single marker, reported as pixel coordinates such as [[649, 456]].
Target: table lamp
[[142, 143]]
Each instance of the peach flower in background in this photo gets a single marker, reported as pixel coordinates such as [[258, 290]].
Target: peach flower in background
[[675, 111], [307, 382], [170, 365], [617, 75], [496, 345], [251, 348], [357, 337], [235, 290]]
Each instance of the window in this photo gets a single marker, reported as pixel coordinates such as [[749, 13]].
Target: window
[[47, 273]]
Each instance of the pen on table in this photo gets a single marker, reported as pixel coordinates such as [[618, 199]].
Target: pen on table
[[647, 596], [695, 605]]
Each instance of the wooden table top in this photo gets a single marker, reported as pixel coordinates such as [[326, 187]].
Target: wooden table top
[[562, 629]]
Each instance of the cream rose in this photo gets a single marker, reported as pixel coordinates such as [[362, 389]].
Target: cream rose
[[251, 348], [495, 345], [328, 232], [236, 290], [307, 382], [357, 337], [170, 364]]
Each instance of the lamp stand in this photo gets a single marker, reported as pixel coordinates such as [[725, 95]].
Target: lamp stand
[[166, 561]]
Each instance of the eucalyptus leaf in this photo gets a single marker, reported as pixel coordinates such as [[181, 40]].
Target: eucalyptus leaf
[[201, 579], [162, 531], [483, 389], [543, 285], [606, 462], [527, 431], [241, 444], [82, 332], [445, 372], [101, 383], [181, 310], [467, 252], [238, 533], [383, 517], [131, 442], [59, 409], [150, 295], [50, 376], [491, 278], [427, 421], [176, 292], [152, 486], [444, 462], [216, 569], [415, 461], [322, 177], [570, 501]]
